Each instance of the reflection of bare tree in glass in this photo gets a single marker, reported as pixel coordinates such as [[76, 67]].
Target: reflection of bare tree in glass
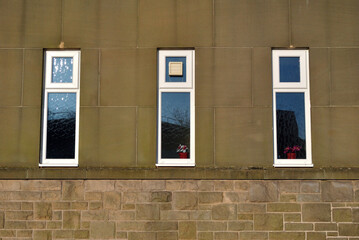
[[175, 131]]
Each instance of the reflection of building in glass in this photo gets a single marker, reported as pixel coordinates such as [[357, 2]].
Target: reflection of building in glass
[[287, 134]]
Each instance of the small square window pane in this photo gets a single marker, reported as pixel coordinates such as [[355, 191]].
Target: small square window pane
[[61, 125], [289, 69], [62, 68], [173, 78], [175, 124], [290, 110]]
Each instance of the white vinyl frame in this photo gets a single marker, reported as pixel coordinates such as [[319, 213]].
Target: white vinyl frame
[[188, 86], [302, 87], [50, 87]]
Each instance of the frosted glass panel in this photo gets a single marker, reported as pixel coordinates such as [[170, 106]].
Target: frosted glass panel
[[175, 124], [290, 125], [61, 125], [62, 69]]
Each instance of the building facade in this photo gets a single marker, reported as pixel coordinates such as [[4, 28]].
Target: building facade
[[243, 84]]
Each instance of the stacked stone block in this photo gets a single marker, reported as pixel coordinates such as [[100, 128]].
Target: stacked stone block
[[179, 209]]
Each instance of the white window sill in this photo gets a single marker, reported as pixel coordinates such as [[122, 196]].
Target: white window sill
[[293, 165]]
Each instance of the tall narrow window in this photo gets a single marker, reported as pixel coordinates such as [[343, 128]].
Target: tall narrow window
[[291, 109], [175, 138], [60, 113]]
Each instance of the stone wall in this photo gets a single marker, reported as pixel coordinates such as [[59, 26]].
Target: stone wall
[[179, 209]]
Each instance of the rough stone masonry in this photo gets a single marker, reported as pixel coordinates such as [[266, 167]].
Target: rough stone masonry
[[179, 209]]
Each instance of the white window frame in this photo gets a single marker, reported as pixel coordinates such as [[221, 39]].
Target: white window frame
[[189, 87], [302, 87], [50, 87]]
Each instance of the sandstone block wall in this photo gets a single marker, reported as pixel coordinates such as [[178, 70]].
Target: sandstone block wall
[[179, 209]]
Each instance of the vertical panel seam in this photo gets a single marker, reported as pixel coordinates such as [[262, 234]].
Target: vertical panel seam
[[22, 78]]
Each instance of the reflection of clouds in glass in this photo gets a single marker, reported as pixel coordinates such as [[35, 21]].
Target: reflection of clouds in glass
[[61, 105], [62, 69]]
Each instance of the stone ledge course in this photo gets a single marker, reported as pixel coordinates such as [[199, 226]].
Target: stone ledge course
[[179, 209]]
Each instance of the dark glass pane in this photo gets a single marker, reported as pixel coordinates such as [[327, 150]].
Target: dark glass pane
[[62, 69], [290, 125], [175, 124], [289, 69], [61, 125], [176, 78]]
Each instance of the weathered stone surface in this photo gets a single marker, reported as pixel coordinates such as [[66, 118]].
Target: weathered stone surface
[[342, 215], [112, 200], [316, 236], [121, 215], [325, 227], [102, 230], [298, 226], [235, 197], [72, 190], [201, 215], [99, 185], [261, 191], [292, 217], [185, 200], [174, 215], [250, 207], [205, 236], [187, 230], [147, 212], [19, 215], [43, 211], [316, 212], [289, 186], [210, 197], [41, 185], [10, 185], [211, 226], [240, 226], [224, 212], [142, 235], [310, 186], [42, 235], [349, 229], [270, 221], [225, 235], [166, 236], [283, 207], [309, 198], [337, 191], [161, 226], [71, 220], [161, 196], [94, 215], [253, 235], [286, 235]]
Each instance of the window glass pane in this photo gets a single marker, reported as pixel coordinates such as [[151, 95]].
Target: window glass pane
[[61, 123], [291, 139], [62, 69], [176, 78], [289, 69], [175, 125]]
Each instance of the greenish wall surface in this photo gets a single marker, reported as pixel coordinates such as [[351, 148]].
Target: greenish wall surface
[[232, 39]]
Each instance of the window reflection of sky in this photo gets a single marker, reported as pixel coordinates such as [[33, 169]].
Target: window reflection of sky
[[61, 105], [293, 102], [175, 107], [62, 69], [289, 69]]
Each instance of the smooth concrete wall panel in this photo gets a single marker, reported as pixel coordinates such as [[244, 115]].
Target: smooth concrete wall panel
[[11, 62], [169, 23], [29, 142], [204, 137], [322, 137], [33, 77], [223, 77], [323, 23], [319, 70], [128, 77], [344, 136], [249, 23], [262, 77], [243, 137], [89, 81], [345, 76], [89, 137], [10, 125], [35, 23], [146, 136], [117, 137], [96, 23]]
